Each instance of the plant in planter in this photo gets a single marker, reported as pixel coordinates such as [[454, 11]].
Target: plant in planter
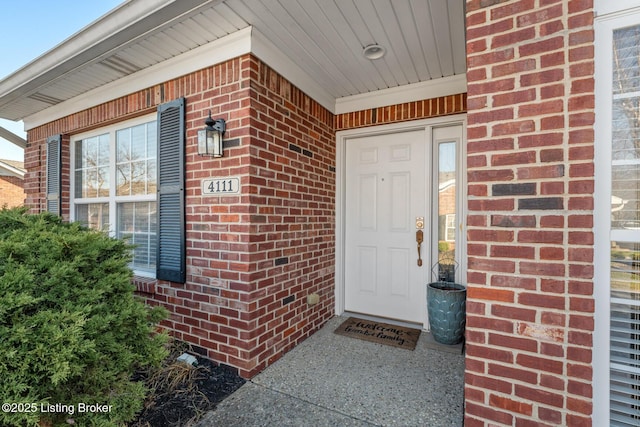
[[446, 303]]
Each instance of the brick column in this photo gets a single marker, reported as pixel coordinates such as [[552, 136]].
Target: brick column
[[530, 201]]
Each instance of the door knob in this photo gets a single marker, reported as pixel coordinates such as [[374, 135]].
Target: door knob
[[419, 240]]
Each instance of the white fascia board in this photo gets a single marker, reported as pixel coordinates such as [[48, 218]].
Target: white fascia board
[[271, 55], [399, 95], [218, 51], [122, 16], [12, 137]]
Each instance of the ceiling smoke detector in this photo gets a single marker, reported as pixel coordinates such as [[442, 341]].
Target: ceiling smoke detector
[[374, 51]]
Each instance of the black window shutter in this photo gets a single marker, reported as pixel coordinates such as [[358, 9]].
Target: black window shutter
[[170, 259], [54, 168]]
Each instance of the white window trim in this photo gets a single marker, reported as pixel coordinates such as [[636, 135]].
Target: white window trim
[[111, 129], [448, 227], [603, 235], [608, 7]]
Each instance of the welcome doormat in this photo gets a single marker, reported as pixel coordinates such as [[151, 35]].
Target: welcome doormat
[[378, 332]]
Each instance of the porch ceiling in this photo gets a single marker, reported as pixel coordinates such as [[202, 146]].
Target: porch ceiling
[[424, 40]]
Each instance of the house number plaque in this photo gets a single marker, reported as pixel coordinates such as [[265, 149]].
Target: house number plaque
[[219, 186]]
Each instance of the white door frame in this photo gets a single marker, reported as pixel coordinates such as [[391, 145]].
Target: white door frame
[[341, 168]]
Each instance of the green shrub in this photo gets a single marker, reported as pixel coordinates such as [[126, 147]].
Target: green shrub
[[71, 330]]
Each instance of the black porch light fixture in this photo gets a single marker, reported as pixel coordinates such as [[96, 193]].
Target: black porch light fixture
[[210, 138]]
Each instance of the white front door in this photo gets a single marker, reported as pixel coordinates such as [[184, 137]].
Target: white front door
[[386, 186]]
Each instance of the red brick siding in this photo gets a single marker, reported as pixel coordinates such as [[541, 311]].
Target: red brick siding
[[212, 308], [293, 195], [247, 254], [434, 107], [530, 201], [11, 191]]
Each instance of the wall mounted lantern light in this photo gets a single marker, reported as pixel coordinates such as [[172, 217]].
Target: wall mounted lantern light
[[210, 138]]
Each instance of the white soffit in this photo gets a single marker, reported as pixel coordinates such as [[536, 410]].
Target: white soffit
[[80, 63], [315, 44], [231, 46], [248, 40], [276, 59]]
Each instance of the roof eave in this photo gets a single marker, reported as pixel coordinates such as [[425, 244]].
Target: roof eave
[[13, 138], [8, 170], [127, 21], [220, 50]]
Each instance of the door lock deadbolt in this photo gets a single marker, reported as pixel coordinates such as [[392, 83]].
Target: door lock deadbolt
[[419, 222]]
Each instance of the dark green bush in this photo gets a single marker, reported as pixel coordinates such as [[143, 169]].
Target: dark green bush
[[71, 330]]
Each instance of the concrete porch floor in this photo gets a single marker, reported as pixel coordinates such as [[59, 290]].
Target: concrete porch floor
[[331, 380]]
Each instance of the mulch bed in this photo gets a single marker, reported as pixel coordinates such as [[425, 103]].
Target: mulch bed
[[181, 394]]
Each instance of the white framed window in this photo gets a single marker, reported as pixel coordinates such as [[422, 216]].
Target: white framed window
[[617, 224], [114, 184], [450, 228]]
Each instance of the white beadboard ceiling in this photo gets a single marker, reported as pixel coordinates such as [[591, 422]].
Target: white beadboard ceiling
[[424, 41]]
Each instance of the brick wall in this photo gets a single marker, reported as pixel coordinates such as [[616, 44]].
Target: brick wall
[[293, 191], [427, 108], [530, 200], [11, 191], [252, 258]]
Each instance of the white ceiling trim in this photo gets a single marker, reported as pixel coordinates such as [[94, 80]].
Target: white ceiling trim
[[399, 95], [220, 50]]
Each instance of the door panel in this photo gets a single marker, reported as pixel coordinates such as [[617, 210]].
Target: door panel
[[368, 282], [400, 201], [385, 192], [400, 265], [368, 202]]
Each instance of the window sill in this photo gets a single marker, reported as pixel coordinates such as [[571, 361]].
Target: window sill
[[144, 285]]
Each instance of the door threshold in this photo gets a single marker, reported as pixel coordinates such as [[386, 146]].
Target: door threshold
[[384, 320]]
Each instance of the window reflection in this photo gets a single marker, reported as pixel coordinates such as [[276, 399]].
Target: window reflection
[[135, 160], [446, 210], [625, 141], [625, 216], [92, 167], [94, 215], [625, 270]]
